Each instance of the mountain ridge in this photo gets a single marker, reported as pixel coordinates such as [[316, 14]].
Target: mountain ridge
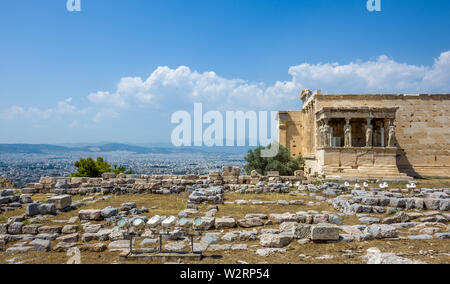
[[112, 147]]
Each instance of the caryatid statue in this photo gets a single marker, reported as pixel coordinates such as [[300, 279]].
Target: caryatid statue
[[391, 140], [348, 134], [322, 136], [320, 130], [369, 134], [326, 134]]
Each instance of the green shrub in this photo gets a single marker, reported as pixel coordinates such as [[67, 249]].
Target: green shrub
[[90, 168], [392, 211], [282, 162]]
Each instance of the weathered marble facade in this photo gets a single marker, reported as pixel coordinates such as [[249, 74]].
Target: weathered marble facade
[[370, 136]]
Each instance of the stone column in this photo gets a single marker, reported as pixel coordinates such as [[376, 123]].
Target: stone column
[[369, 133], [326, 135], [347, 133], [391, 140]]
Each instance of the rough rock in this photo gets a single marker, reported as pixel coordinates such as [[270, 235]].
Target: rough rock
[[275, 240], [93, 229], [99, 247], [47, 209], [45, 236], [369, 220], [239, 247], [18, 249], [300, 231], [211, 238], [69, 229], [90, 215], [32, 209], [206, 223], [230, 236], [61, 247], [175, 246], [431, 203], [286, 217], [420, 237], [149, 242], [109, 212], [442, 235], [269, 251], [400, 217], [250, 222], [223, 223], [61, 202], [120, 245], [15, 228], [50, 230], [324, 232], [375, 256], [381, 231], [72, 238], [3, 229], [41, 245], [31, 229]]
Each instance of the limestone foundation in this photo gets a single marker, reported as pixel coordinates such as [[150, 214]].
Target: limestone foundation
[[370, 136]]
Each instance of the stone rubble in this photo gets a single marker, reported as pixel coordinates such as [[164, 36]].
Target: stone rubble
[[420, 214]]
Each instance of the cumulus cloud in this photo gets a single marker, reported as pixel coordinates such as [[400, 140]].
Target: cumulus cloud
[[62, 108], [167, 87], [383, 75]]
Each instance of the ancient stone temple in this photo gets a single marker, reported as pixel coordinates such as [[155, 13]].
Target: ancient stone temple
[[369, 136]]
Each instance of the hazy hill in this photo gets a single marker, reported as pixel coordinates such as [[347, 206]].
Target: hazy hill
[[113, 147]]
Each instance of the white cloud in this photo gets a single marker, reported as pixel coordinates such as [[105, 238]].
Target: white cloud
[[128, 90], [62, 108], [171, 88], [383, 75], [167, 87]]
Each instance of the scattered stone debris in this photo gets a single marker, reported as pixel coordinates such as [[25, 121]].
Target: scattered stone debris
[[375, 256], [388, 215]]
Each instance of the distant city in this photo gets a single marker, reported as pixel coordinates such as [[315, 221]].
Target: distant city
[[24, 164]]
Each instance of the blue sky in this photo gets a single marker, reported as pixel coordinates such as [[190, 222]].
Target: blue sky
[[118, 69]]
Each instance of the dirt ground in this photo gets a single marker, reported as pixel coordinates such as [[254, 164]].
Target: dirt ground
[[429, 251]]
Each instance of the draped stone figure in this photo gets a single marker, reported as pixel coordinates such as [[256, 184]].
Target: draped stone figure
[[348, 135], [320, 135], [326, 135], [369, 135], [391, 140]]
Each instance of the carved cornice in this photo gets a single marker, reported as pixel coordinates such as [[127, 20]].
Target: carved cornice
[[356, 112], [381, 96]]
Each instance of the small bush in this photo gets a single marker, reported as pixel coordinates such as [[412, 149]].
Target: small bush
[[90, 168], [392, 211], [282, 162]]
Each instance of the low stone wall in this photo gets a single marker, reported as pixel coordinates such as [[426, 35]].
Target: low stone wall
[[230, 178]]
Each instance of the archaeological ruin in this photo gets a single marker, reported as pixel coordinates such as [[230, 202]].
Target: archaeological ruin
[[355, 201], [243, 218], [369, 136]]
